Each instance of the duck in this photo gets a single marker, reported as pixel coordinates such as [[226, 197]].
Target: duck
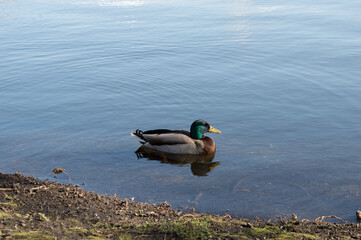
[[191, 142]]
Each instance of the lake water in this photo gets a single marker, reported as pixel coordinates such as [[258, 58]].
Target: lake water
[[280, 79]]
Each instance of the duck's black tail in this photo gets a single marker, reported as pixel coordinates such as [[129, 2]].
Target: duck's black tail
[[139, 134]]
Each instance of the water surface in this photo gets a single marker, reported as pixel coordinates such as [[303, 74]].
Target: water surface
[[281, 80]]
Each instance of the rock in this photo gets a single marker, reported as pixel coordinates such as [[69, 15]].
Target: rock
[[358, 216]]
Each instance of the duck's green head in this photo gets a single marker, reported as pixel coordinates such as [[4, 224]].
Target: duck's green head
[[200, 127]]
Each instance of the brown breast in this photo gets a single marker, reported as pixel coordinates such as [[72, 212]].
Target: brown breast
[[209, 145]]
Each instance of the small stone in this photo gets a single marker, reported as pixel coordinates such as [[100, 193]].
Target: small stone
[[358, 216], [247, 225], [294, 217], [153, 214]]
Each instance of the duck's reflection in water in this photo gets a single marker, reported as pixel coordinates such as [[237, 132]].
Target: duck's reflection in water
[[201, 165]]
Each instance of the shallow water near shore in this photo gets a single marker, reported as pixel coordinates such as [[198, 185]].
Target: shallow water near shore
[[280, 80]]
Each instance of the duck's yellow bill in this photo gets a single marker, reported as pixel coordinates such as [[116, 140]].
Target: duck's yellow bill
[[213, 130]]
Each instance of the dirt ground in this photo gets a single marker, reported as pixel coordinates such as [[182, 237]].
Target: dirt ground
[[34, 209]]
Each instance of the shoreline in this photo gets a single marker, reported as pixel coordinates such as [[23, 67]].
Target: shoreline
[[36, 209]]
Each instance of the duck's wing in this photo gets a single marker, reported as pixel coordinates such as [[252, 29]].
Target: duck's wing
[[164, 131], [163, 137]]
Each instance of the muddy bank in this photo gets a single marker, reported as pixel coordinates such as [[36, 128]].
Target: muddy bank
[[34, 209]]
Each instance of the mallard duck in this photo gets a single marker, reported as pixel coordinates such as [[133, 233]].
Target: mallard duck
[[180, 141]]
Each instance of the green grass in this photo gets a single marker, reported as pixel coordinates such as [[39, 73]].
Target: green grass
[[76, 230], [291, 236], [32, 235], [267, 231], [193, 229], [4, 215], [11, 204]]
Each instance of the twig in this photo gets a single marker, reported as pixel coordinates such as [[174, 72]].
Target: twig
[[68, 176], [33, 190], [198, 197], [187, 215], [320, 219]]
